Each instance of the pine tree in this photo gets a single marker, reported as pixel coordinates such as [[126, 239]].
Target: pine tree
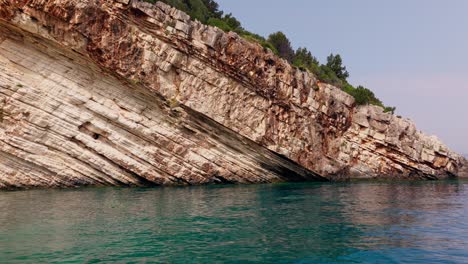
[[282, 45], [335, 63]]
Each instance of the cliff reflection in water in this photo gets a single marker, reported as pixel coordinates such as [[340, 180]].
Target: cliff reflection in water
[[266, 223]]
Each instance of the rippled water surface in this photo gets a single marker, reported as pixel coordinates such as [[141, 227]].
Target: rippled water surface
[[423, 222]]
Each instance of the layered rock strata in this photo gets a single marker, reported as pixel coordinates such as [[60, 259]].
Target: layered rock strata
[[68, 123], [102, 92]]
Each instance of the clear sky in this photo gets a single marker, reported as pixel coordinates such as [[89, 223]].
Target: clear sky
[[412, 53]]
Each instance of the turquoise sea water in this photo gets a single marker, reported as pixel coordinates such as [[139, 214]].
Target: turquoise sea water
[[410, 222]]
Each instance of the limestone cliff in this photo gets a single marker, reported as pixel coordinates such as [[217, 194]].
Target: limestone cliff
[[102, 92]]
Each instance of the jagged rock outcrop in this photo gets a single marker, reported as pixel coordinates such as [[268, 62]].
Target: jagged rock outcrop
[[126, 92], [463, 170]]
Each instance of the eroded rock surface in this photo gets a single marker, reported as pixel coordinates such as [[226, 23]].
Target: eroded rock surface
[[68, 123], [126, 92], [463, 171]]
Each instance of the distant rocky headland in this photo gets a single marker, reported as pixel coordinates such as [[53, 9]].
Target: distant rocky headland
[[128, 93]]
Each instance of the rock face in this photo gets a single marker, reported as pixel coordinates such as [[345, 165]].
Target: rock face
[[463, 170], [102, 92]]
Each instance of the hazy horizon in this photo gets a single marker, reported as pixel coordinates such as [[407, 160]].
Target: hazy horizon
[[412, 54]]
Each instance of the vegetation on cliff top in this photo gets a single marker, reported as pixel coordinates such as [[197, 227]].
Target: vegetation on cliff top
[[332, 72]]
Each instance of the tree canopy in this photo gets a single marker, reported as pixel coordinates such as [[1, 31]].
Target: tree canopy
[[335, 63], [303, 59], [282, 45]]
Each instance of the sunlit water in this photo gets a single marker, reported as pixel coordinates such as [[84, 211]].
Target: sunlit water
[[423, 222]]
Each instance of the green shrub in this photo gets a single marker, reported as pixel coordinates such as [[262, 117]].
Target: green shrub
[[268, 45], [362, 95], [327, 75], [219, 23], [201, 10], [390, 109], [303, 59], [232, 22], [258, 39]]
